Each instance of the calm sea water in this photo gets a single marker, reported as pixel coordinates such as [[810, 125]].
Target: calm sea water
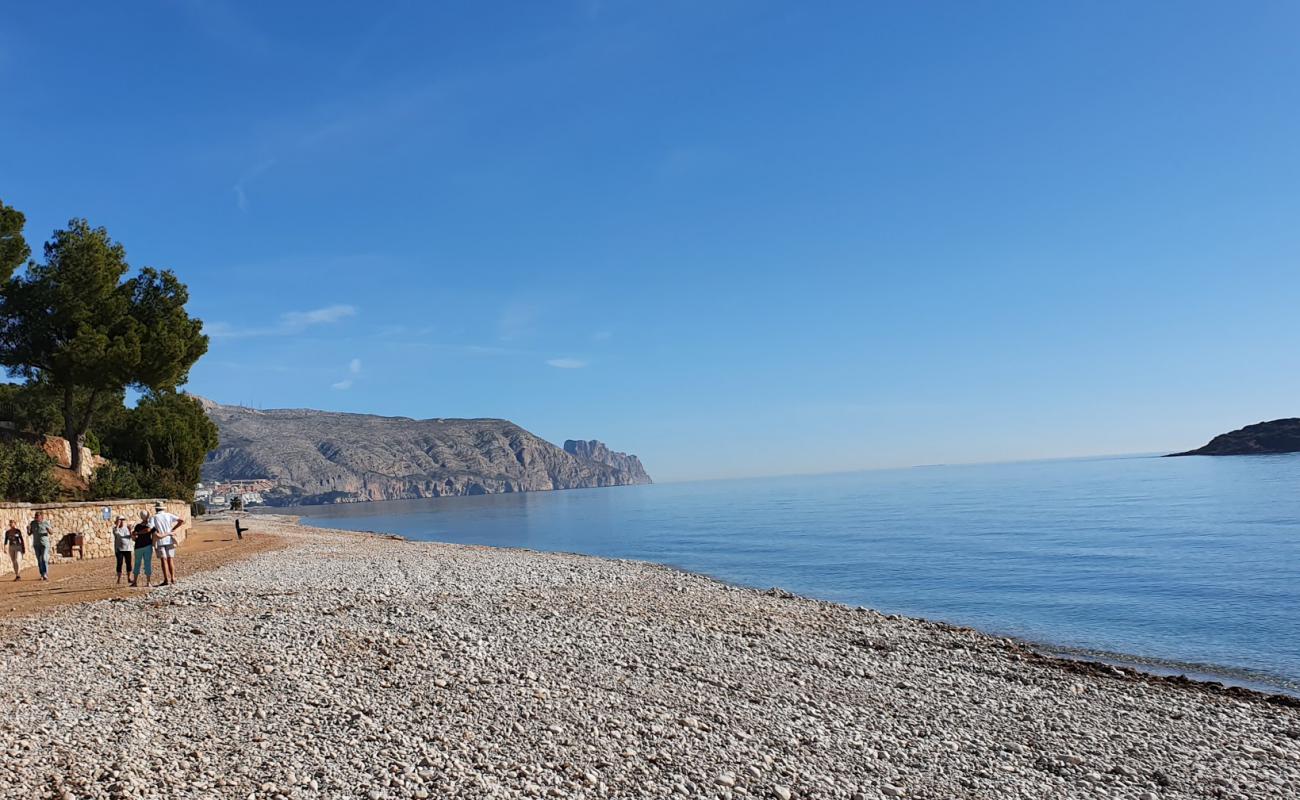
[[1193, 563]]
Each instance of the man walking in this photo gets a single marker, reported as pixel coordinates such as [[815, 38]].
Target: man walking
[[164, 525], [40, 532]]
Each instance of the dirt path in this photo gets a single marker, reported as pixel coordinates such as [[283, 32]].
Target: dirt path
[[209, 545]]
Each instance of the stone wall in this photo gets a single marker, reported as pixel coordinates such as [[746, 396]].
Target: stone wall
[[67, 519]]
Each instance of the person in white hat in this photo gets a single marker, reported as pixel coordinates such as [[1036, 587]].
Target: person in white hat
[[165, 525], [123, 547]]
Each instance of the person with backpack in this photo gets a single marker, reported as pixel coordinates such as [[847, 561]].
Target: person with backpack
[[16, 546]]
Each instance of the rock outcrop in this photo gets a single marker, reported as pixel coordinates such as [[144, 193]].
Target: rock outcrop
[[593, 450], [1262, 438], [325, 457]]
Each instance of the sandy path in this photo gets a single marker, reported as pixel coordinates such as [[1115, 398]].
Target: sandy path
[[209, 545]]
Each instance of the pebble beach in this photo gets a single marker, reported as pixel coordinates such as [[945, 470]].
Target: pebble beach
[[360, 665]]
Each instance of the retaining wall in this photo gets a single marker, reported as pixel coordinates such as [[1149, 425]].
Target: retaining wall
[[69, 519]]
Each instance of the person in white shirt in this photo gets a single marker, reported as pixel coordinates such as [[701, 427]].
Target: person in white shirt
[[123, 547], [165, 525]]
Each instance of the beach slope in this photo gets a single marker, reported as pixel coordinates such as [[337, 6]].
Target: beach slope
[[350, 665]]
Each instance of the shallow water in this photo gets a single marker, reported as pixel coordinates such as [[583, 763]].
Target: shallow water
[[1189, 562]]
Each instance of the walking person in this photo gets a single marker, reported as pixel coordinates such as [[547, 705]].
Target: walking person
[[123, 547], [143, 538], [40, 532], [239, 531], [16, 546], [164, 525]]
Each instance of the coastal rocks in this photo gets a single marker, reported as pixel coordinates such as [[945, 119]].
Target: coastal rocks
[[356, 666], [596, 451], [1262, 438]]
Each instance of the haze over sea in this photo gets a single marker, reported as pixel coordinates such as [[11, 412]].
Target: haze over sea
[[1189, 564]]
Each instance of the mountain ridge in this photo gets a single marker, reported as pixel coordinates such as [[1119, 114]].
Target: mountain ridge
[[316, 457]]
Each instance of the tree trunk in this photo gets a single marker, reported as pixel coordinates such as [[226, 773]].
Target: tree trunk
[[70, 430]]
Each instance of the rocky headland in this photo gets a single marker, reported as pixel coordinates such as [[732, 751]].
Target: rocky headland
[[326, 457], [1262, 438], [350, 665], [593, 450]]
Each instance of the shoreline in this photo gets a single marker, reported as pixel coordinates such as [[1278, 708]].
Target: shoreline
[[1212, 675], [354, 664]]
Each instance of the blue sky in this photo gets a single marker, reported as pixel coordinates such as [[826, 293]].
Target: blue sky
[[736, 238]]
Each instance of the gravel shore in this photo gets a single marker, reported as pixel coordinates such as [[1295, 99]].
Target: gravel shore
[[362, 666]]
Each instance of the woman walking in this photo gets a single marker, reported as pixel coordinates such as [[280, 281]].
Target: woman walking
[[123, 546], [143, 536], [16, 546]]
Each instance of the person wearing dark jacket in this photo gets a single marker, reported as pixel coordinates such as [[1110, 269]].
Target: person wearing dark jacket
[[16, 546], [143, 556]]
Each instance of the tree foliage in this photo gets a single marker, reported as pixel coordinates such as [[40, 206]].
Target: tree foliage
[[117, 482], [13, 247], [26, 472], [167, 433], [36, 407], [76, 324]]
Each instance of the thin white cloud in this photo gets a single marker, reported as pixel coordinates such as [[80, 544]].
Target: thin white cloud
[[317, 316], [566, 363], [354, 366], [342, 385], [516, 321], [241, 185], [224, 25], [291, 322], [219, 330]]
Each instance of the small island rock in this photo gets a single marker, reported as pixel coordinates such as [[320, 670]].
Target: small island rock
[[1262, 438]]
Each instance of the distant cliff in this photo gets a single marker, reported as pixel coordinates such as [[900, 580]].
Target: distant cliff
[[1278, 436], [325, 457], [593, 450]]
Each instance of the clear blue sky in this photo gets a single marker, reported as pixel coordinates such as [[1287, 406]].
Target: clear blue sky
[[735, 238]]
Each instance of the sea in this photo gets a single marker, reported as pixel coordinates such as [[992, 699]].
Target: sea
[[1178, 565]]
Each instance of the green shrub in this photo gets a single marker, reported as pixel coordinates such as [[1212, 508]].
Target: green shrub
[[26, 473], [168, 434], [116, 482]]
